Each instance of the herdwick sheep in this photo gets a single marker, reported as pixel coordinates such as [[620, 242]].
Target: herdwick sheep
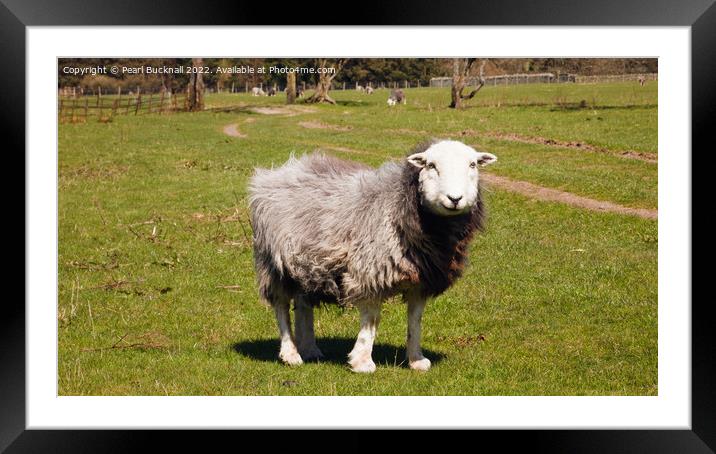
[[256, 91], [334, 231], [299, 91], [396, 97]]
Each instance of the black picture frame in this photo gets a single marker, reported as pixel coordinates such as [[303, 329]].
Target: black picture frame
[[16, 15]]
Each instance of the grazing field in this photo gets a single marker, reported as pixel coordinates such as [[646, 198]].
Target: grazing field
[[156, 283]]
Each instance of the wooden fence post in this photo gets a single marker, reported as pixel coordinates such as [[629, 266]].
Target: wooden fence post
[[149, 106], [138, 102]]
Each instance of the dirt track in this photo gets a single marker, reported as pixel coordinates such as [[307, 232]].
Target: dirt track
[[554, 195], [233, 131], [525, 188]]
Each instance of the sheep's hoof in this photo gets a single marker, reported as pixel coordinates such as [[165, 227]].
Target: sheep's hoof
[[291, 358], [363, 367], [420, 364]]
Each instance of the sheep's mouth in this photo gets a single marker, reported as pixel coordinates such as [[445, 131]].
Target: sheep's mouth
[[452, 209]]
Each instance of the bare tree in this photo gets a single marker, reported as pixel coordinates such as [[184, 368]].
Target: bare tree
[[461, 70], [290, 87], [196, 85], [325, 78]]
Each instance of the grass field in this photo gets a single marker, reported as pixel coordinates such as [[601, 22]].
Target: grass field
[[156, 284]]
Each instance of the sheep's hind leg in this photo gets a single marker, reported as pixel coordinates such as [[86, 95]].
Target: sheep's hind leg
[[416, 360], [360, 358], [288, 353], [305, 336]]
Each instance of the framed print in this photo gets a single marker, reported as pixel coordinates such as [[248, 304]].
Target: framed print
[[524, 172]]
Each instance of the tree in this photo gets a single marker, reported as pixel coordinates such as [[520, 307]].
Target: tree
[[461, 69], [196, 85], [290, 87], [325, 77]]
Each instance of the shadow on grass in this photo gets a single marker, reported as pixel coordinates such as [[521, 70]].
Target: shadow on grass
[[348, 103], [335, 351], [586, 106], [561, 106]]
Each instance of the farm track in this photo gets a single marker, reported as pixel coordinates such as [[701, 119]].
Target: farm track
[[511, 137], [537, 192], [629, 154], [525, 188], [232, 130]]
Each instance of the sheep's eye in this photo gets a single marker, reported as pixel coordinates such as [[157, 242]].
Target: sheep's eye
[[473, 165], [431, 166]]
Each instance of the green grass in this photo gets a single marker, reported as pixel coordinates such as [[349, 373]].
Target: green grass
[[153, 228]]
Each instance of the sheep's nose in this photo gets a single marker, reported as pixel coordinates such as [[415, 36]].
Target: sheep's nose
[[454, 200]]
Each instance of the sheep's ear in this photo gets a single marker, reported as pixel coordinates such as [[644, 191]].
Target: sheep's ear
[[418, 160], [485, 158]]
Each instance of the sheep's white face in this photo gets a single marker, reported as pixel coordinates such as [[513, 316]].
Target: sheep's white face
[[449, 176], [391, 101]]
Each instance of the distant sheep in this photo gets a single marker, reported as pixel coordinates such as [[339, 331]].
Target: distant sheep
[[299, 91], [272, 92], [369, 90], [334, 231], [257, 91], [396, 97]]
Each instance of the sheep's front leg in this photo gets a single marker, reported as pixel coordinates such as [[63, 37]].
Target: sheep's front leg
[[416, 305], [305, 336], [360, 358], [288, 353]]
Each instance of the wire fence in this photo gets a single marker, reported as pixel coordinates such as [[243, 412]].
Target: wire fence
[[546, 78], [617, 78]]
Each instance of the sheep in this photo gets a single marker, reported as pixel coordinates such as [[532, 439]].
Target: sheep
[[299, 92], [396, 97], [257, 91], [334, 231], [272, 91], [369, 90]]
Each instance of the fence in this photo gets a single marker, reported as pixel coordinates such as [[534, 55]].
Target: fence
[[542, 78], [80, 109], [246, 88], [508, 79], [617, 78]]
